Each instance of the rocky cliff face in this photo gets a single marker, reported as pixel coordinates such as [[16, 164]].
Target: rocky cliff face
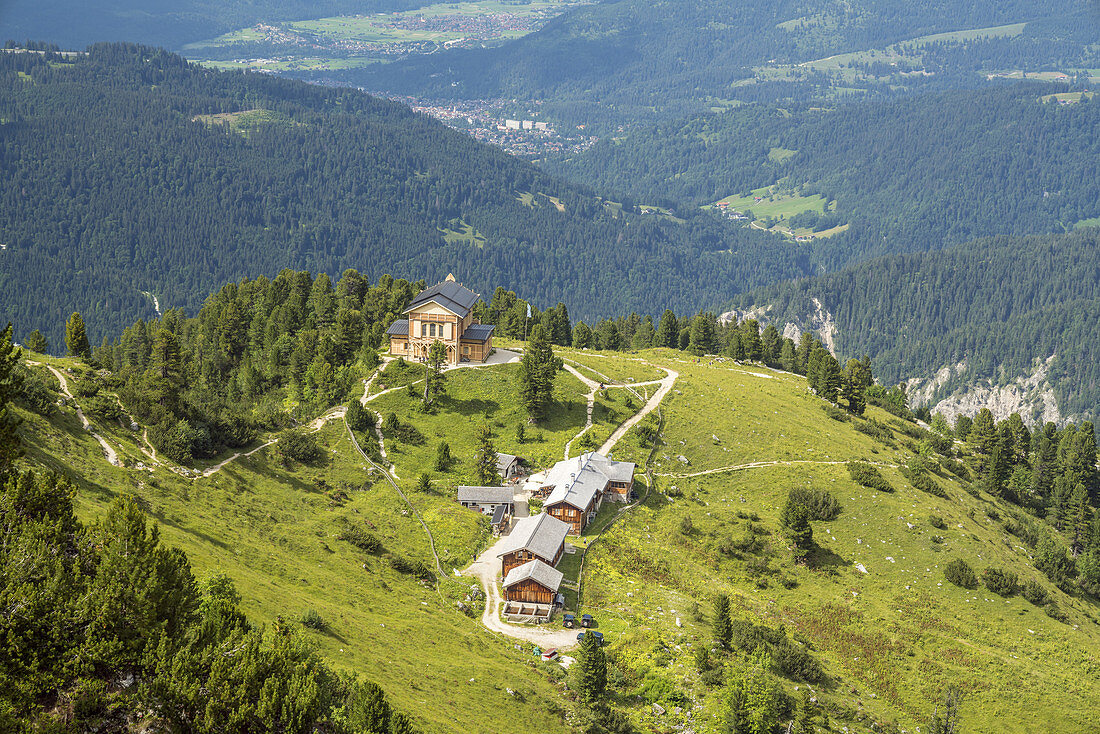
[[1030, 395]]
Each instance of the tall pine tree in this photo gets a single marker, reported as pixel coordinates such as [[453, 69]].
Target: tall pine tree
[[76, 337]]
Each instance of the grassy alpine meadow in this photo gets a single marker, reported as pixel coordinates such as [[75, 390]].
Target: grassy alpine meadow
[[475, 396], [772, 202], [274, 529], [871, 604]]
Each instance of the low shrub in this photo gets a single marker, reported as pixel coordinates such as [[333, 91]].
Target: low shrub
[[937, 522], [299, 446], [1034, 592], [314, 621], [360, 538], [1000, 581], [927, 484], [868, 476], [961, 574], [820, 502]]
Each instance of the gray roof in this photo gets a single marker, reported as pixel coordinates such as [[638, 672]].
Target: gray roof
[[548, 576], [478, 332], [503, 460], [448, 294], [485, 495], [398, 328], [576, 481], [498, 514], [541, 534]]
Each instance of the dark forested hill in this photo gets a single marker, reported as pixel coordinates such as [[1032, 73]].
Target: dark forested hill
[[908, 175], [127, 172], [171, 23], [1000, 304], [633, 60]]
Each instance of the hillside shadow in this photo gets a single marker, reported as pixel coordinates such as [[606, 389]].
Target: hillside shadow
[[824, 559]]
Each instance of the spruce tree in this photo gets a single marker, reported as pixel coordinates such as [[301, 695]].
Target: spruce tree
[[11, 384], [434, 384], [644, 335], [76, 337], [592, 671], [723, 626], [750, 338], [795, 521], [582, 335], [668, 331], [36, 342], [802, 353], [537, 371], [485, 459], [771, 345]]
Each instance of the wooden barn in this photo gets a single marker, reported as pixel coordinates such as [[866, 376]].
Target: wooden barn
[[532, 583], [540, 537]]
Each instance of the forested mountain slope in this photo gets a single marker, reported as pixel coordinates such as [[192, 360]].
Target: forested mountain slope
[[1002, 305], [907, 175], [634, 60], [127, 171]]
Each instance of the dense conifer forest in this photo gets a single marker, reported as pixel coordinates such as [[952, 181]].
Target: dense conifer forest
[[916, 174], [128, 175], [974, 302]]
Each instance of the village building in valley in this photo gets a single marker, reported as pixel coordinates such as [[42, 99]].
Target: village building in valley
[[443, 313]]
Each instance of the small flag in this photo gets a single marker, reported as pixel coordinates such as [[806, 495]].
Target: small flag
[[528, 310]]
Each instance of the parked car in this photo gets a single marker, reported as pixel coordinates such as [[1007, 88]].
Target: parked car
[[569, 621]]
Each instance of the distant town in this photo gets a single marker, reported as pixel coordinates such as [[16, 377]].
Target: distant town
[[488, 121]]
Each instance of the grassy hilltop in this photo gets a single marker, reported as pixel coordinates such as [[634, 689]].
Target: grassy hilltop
[[871, 605]]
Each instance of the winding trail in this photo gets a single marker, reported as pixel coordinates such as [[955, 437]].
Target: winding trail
[[650, 405], [108, 451], [763, 464]]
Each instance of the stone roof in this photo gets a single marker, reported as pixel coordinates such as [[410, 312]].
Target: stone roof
[[448, 294], [398, 328], [485, 495], [503, 461], [541, 534], [576, 481], [548, 576], [478, 332]]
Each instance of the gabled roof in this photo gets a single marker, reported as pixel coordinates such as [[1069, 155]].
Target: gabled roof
[[576, 481], [448, 294], [504, 461], [485, 495], [548, 576], [398, 328], [541, 534], [477, 332]]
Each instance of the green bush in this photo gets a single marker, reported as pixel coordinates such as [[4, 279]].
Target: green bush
[[820, 502], [1034, 592], [1000, 581], [867, 475], [360, 538], [925, 483], [314, 621], [836, 413], [961, 574], [937, 522], [299, 446]]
